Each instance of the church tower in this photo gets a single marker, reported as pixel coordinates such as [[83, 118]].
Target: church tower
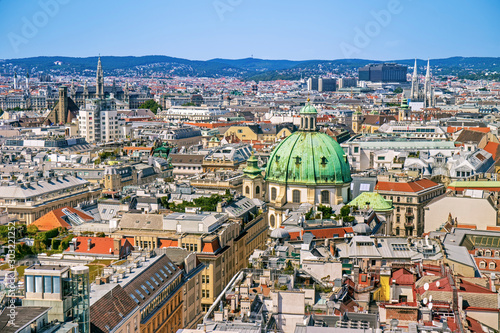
[[253, 182], [357, 120], [15, 80], [414, 84], [99, 81], [428, 92]]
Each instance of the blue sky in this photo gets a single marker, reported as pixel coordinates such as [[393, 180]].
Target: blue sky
[[269, 29]]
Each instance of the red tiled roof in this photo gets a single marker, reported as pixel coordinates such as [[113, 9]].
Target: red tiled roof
[[453, 129], [54, 219], [168, 243], [413, 186], [323, 233], [211, 246], [98, 245], [493, 148], [403, 277]]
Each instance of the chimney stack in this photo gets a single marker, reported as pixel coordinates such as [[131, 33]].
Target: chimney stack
[[89, 244]]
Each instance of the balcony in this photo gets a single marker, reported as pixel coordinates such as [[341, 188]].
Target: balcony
[[409, 214], [409, 224]]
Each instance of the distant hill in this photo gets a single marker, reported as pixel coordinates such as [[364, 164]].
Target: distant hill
[[248, 68]]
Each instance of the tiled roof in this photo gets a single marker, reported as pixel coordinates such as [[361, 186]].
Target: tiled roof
[[471, 136], [494, 149], [167, 243], [162, 271], [403, 277], [211, 247], [54, 219], [98, 245], [110, 310], [413, 186]]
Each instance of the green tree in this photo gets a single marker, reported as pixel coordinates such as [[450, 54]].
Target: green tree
[[398, 90], [32, 230], [345, 211], [150, 104]]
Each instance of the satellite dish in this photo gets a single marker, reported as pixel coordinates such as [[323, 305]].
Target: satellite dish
[[438, 284], [426, 286], [424, 300], [429, 306]]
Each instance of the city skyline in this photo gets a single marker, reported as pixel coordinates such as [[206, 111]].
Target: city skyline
[[381, 30]]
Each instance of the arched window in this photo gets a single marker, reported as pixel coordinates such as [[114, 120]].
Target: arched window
[[311, 123], [296, 196], [482, 264], [496, 253], [257, 189], [247, 190], [272, 221], [492, 265], [397, 231], [487, 253], [273, 193], [325, 197]]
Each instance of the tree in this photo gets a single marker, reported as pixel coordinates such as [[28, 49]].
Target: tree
[[398, 90], [32, 229], [345, 210], [150, 104]]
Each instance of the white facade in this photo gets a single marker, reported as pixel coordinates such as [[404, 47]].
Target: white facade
[[100, 126]]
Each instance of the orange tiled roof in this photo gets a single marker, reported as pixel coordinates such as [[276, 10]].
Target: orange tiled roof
[[493, 148], [211, 247], [99, 245], [167, 243], [54, 219]]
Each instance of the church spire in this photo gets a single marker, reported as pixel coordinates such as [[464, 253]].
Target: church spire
[[99, 80], [414, 83]]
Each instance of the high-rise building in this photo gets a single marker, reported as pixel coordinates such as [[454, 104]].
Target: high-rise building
[[321, 84], [347, 82], [327, 84], [386, 72]]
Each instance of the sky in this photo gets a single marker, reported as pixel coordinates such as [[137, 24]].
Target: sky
[[267, 29]]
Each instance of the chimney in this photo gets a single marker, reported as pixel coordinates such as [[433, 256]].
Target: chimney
[[72, 245], [117, 246], [89, 244]]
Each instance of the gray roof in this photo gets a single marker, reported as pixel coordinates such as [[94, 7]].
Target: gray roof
[[41, 188], [141, 221]]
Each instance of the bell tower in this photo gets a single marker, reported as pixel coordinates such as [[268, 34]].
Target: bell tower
[[253, 181]]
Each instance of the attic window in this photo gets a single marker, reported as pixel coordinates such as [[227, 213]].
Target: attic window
[[277, 158], [298, 159], [323, 160]]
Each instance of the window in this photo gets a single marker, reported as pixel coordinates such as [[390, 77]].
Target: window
[[29, 283], [47, 284], [247, 190], [273, 193], [356, 150], [56, 282], [38, 284], [487, 253], [257, 190], [482, 264], [272, 221], [325, 197], [296, 196], [408, 200], [492, 265]]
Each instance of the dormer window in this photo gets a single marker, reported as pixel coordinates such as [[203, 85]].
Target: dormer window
[[324, 160], [298, 159]]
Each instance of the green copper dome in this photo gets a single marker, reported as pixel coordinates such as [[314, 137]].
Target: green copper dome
[[308, 109], [374, 200], [310, 158]]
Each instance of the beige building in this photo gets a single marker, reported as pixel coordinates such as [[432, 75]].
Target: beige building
[[409, 199], [31, 199], [222, 246], [478, 213]]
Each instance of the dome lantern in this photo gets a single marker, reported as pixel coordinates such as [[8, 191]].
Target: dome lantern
[[308, 117]]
